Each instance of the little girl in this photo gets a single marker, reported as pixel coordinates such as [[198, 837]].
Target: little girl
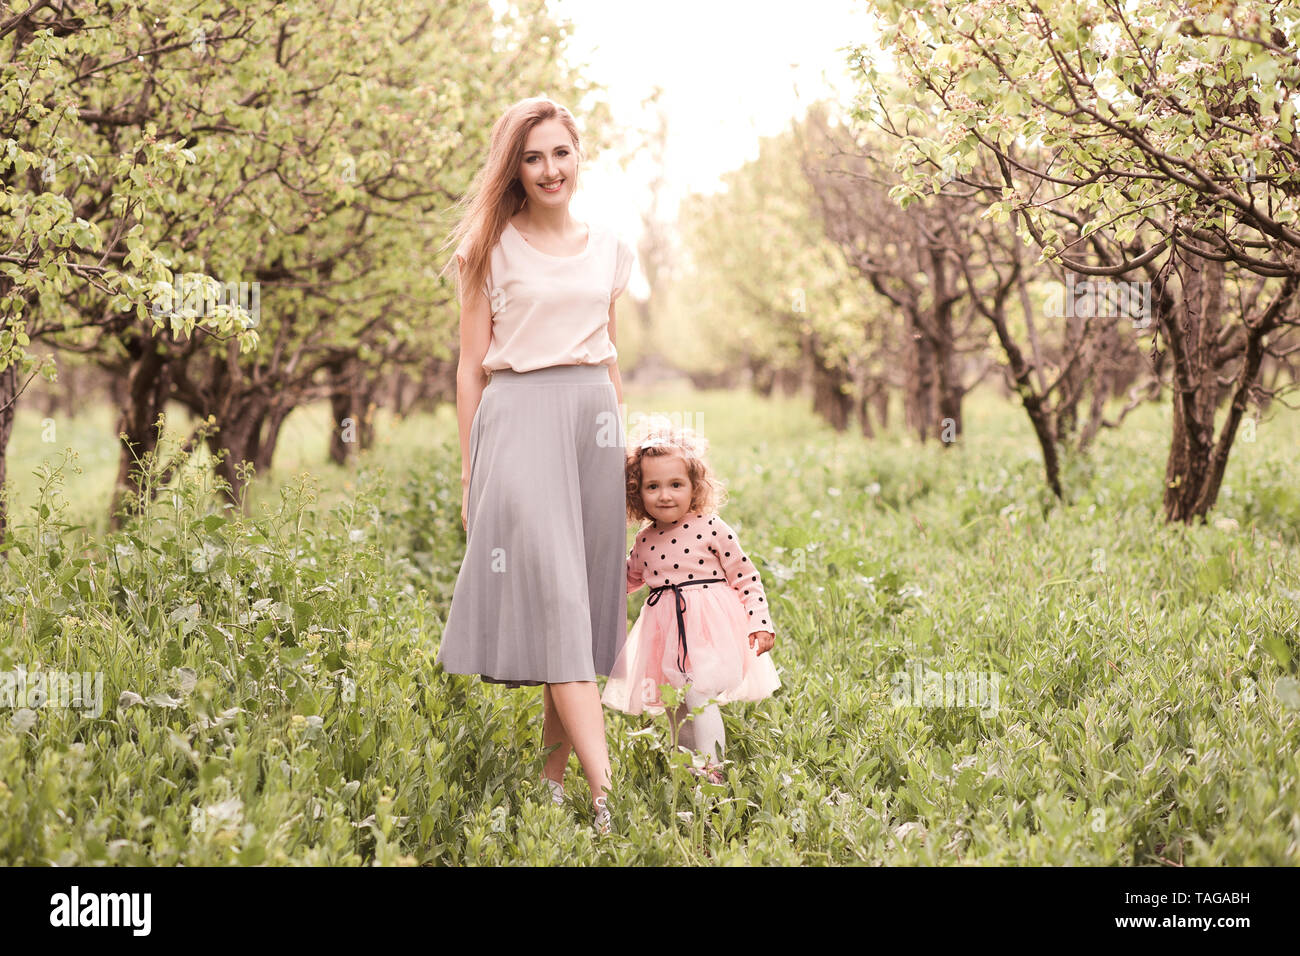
[[706, 623]]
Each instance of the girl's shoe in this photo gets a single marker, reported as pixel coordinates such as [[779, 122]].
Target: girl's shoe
[[713, 772], [557, 790], [602, 821]]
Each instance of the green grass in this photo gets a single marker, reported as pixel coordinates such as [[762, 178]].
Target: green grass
[[270, 694]]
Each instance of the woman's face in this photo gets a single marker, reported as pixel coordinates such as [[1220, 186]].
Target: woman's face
[[665, 488], [549, 161]]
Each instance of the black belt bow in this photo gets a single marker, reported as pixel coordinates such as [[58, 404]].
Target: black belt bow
[[680, 600]]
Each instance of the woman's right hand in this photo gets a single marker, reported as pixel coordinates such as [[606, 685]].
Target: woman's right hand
[[464, 505]]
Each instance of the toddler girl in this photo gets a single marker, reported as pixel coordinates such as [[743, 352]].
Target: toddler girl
[[706, 625]]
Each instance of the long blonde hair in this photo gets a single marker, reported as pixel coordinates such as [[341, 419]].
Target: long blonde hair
[[496, 193]]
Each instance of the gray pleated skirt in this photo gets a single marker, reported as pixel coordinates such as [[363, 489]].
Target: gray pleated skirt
[[541, 595]]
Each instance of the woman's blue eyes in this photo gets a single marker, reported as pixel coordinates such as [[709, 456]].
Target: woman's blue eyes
[[563, 152]]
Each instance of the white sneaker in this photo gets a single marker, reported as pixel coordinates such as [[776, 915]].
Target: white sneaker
[[557, 790], [602, 821]]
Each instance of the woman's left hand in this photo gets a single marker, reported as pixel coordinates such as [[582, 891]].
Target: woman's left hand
[[765, 641]]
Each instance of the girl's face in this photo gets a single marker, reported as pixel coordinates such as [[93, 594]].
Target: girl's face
[[549, 161], [665, 488]]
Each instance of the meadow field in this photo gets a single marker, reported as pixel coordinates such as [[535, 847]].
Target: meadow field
[[269, 693]]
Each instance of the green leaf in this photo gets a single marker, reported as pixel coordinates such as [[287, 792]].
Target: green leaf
[[1214, 574], [1277, 649], [252, 855], [172, 655], [1264, 66], [1288, 692]]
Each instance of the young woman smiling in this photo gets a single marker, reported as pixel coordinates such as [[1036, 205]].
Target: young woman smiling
[[539, 598]]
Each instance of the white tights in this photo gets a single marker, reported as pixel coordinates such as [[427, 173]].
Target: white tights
[[705, 732]]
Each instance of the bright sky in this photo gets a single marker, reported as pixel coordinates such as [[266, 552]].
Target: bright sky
[[731, 72]]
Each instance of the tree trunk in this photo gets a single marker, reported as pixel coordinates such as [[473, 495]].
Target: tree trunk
[[945, 353], [1191, 329], [1105, 351], [950, 396], [1040, 415], [864, 419], [404, 391], [238, 441], [864, 412], [8, 401], [1218, 459], [881, 400], [1247, 377], [830, 400], [762, 377], [248, 417], [146, 393], [345, 429], [118, 388], [788, 381], [1095, 412], [352, 405], [918, 402], [266, 447], [367, 390], [1071, 387]]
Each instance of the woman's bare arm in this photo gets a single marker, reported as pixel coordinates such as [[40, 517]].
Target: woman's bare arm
[[614, 375], [475, 337]]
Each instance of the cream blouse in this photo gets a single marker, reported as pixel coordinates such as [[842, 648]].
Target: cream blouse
[[553, 310]]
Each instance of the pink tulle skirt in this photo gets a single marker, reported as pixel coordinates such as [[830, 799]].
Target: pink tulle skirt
[[719, 659]]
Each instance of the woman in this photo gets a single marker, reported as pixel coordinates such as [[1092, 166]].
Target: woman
[[541, 594]]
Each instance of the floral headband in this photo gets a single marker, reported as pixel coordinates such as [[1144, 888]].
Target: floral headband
[[686, 441]]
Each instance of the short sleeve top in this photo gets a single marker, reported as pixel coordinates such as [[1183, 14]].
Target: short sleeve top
[[553, 310], [698, 546]]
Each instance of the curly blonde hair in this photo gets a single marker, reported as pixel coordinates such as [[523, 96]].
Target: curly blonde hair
[[660, 439]]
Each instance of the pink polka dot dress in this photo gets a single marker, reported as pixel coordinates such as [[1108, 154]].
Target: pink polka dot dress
[[706, 599]]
